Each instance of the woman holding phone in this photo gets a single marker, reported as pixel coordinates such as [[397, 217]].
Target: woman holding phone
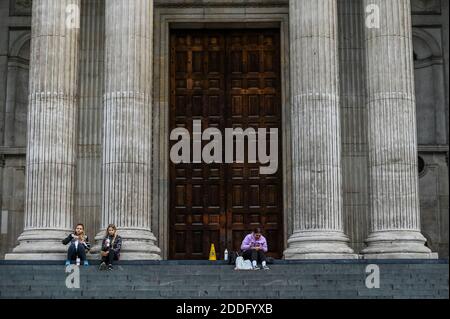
[[254, 247], [111, 246]]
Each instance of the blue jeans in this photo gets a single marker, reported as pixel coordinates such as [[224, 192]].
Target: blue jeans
[[73, 252]]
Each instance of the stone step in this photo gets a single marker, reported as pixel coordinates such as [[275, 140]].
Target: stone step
[[161, 282], [185, 281]]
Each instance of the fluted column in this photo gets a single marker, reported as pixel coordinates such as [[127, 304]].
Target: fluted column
[[128, 126], [394, 200], [316, 164], [52, 115]]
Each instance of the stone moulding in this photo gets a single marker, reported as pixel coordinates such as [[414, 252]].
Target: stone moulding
[[220, 3], [20, 7]]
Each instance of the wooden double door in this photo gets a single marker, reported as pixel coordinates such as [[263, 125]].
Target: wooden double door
[[225, 79]]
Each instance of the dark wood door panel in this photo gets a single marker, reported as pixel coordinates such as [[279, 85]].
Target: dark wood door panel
[[254, 96], [225, 79], [197, 93]]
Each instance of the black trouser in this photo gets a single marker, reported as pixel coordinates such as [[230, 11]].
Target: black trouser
[[110, 257], [254, 254], [75, 252]]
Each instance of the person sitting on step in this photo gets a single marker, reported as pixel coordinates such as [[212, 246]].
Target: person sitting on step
[[111, 245], [254, 247], [79, 245]]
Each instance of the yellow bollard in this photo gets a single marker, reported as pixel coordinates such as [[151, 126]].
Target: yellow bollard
[[212, 253]]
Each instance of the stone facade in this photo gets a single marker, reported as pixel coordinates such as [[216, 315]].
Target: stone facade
[[356, 206]]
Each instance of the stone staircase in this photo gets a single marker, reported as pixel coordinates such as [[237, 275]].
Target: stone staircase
[[204, 280]]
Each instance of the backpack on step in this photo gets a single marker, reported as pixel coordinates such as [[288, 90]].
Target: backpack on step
[[232, 257]]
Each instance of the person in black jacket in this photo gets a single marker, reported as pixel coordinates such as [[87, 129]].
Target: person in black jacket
[[79, 245], [111, 246]]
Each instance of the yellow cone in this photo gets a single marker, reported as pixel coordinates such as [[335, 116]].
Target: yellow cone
[[212, 253]]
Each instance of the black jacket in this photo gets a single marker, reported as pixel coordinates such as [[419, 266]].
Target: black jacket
[[117, 245], [71, 240]]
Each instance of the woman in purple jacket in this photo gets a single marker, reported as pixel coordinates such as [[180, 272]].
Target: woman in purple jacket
[[254, 247]]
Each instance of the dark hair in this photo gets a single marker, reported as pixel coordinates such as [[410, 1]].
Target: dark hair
[[257, 230], [113, 227]]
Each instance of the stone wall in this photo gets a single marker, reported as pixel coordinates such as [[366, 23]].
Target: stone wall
[[88, 199], [14, 73], [431, 48], [353, 115]]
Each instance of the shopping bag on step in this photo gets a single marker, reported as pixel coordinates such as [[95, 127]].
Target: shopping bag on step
[[242, 264]]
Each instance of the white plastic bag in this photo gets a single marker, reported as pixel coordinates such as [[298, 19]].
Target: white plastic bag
[[242, 264]]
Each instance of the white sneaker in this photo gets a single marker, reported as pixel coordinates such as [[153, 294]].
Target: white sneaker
[[266, 267], [256, 268]]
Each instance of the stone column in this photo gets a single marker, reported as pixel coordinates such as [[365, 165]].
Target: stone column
[[128, 126], [52, 117], [316, 164], [394, 199]]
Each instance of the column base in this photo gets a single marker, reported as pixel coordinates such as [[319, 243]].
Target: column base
[[397, 244], [138, 244], [40, 244], [319, 245]]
